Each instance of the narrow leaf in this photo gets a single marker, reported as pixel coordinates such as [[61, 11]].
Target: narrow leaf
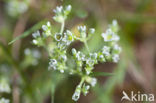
[[28, 32]]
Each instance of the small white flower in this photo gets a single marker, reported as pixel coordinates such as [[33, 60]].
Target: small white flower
[[90, 62], [117, 47], [85, 89], [88, 72], [93, 82], [93, 55], [82, 31], [114, 23], [48, 24], [36, 34], [116, 37], [77, 93], [91, 30], [106, 50], [70, 36], [4, 86], [110, 36], [76, 96], [82, 28], [3, 100], [58, 37], [47, 29], [44, 27], [35, 41], [27, 51], [68, 8], [74, 51], [61, 13], [53, 63], [62, 71], [115, 58], [101, 56], [58, 9], [80, 56], [64, 57]]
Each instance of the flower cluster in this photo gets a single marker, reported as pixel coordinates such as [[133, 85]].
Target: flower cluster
[[82, 87], [111, 50], [59, 52], [16, 7], [47, 29], [61, 13], [32, 57], [83, 61], [4, 86], [3, 100], [38, 40], [111, 33]]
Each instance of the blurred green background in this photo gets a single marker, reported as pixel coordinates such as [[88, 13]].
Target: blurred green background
[[25, 67]]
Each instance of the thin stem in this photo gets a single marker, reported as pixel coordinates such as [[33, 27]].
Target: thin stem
[[52, 97], [52, 93], [82, 81], [62, 27], [86, 45]]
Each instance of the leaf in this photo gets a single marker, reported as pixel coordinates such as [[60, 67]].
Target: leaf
[[101, 74], [28, 32]]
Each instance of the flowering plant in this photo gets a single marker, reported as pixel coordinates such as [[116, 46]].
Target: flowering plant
[[84, 61]]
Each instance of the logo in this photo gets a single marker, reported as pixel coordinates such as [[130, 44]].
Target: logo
[[137, 97]]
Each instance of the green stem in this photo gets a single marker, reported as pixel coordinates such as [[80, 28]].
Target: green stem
[[62, 27], [82, 81], [52, 94], [86, 45]]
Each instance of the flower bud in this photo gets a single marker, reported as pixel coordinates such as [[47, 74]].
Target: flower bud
[[115, 58], [58, 37], [85, 89], [67, 10], [74, 51], [91, 81], [36, 34], [82, 30], [77, 93], [91, 31], [53, 63]]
